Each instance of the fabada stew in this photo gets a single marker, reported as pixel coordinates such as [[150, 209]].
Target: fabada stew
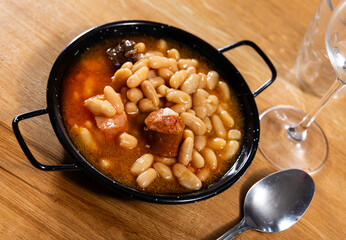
[[151, 114]]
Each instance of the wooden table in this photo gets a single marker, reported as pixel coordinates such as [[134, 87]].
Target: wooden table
[[69, 205]]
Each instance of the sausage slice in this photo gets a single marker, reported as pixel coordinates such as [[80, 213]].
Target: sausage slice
[[164, 130]]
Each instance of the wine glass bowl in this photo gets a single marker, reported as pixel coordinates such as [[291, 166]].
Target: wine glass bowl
[[291, 138], [336, 40]]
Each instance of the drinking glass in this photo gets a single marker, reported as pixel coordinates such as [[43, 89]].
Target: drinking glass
[[289, 137], [314, 69]]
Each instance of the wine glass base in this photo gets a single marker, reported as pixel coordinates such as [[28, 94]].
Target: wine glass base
[[283, 151]]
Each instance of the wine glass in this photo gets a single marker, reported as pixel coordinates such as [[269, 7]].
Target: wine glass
[[291, 138]]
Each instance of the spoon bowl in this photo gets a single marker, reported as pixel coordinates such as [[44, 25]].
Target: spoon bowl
[[275, 203]]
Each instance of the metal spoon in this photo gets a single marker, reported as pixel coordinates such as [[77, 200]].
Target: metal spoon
[[275, 203]]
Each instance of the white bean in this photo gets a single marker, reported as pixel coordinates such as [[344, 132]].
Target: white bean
[[194, 123], [212, 79], [173, 53], [188, 133], [185, 63], [153, 53], [114, 98], [218, 126], [211, 109], [157, 81], [203, 174], [191, 111], [146, 105], [230, 150], [123, 93], [162, 45], [157, 62], [104, 163], [213, 100], [87, 138], [225, 117], [146, 178], [138, 77], [197, 159], [189, 102], [162, 90], [201, 111], [131, 108], [178, 78], [150, 92], [234, 134], [191, 84], [200, 142], [224, 91], [152, 73], [191, 70], [165, 73], [203, 81], [177, 96], [210, 157], [216, 143], [199, 103], [185, 177], [100, 107], [120, 77], [127, 141], [139, 64], [208, 124], [164, 171], [134, 94], [173, 65], [185, 152], [166, 160], [199, 98], [142, 164], [128, 65], [179, 108], [140, 47]]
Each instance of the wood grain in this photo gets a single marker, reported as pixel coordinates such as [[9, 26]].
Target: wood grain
[[71, 205]]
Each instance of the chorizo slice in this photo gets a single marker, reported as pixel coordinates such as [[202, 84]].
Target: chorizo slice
[[164, 131]]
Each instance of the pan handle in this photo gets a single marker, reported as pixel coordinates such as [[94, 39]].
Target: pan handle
[[262, 54], [23, 145]]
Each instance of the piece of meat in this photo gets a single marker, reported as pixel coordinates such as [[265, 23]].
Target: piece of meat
[[114, 125], [164, 131], [123, 52]]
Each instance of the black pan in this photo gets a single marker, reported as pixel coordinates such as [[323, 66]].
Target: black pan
[[229, 73]]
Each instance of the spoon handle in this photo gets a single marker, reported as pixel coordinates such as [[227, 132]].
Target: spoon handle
[[235, 231]]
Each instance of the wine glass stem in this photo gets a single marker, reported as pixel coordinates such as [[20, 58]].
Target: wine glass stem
[[298, 132]]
